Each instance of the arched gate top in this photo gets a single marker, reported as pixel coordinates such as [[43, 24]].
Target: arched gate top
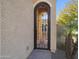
[[39, 1]]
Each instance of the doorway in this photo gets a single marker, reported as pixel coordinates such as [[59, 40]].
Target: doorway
[[42, 26]]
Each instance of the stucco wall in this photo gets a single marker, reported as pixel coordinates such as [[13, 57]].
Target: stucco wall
[[0, 27], [53, 26], [17, 29]]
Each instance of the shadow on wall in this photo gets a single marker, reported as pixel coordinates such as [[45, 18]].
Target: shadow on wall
[[60, 38]]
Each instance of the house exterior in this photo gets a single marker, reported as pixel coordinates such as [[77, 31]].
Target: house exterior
[[17, 27]]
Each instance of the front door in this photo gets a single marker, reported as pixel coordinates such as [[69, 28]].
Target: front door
[[42, 26]]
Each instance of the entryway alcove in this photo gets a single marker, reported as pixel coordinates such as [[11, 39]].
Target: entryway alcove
[[42, 26]]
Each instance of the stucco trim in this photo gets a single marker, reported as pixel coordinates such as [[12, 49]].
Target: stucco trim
[[42, 1]]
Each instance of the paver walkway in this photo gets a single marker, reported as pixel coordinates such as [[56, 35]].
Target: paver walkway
[[45, 54], [59, 54], [40, 54]]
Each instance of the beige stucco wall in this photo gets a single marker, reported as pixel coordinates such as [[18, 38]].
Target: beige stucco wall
[[17, 29], [53, 26], [0, 27], [52, 4]]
